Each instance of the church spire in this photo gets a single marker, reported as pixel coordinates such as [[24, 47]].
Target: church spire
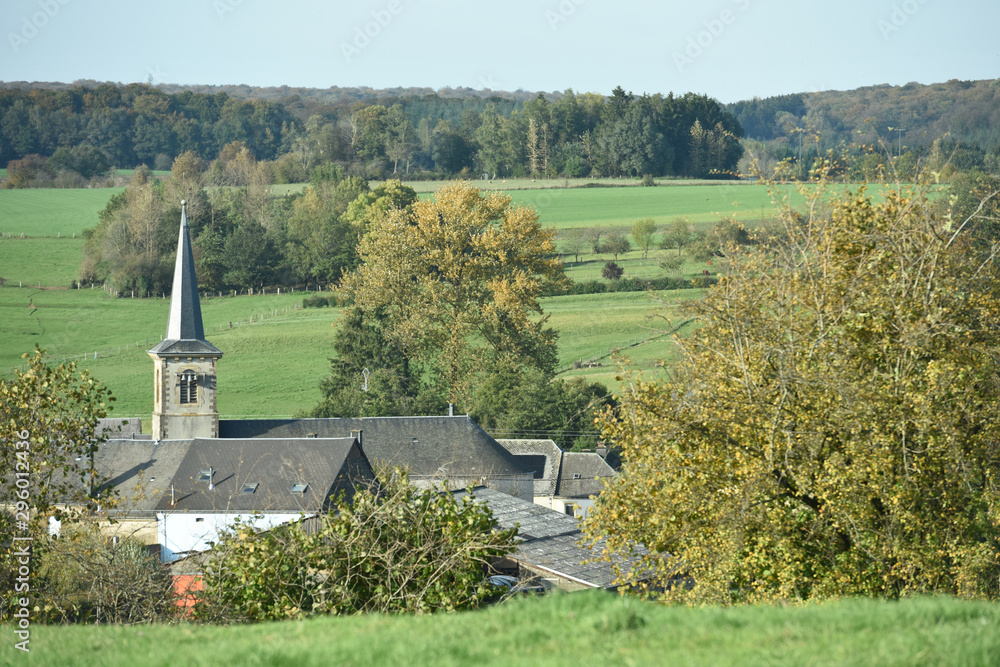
[[185, 307], [184, 362], [185, 332]]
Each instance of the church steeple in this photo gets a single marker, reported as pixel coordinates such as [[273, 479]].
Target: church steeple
[[184, 399], [185, 307], [185, 332]]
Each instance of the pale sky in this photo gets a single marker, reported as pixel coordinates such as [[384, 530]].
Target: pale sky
[[728, 49]]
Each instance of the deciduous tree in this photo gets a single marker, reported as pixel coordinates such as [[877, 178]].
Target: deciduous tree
[[459, 277], [642, 234], [617, 243], [48, 416], [831, 428]]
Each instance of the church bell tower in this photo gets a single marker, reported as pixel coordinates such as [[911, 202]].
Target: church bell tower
[[185, 363]]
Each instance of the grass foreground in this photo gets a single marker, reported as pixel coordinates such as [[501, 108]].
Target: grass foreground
[[561, 629]]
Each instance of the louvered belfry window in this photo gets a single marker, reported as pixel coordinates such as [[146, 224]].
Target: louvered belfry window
[[189, 387]]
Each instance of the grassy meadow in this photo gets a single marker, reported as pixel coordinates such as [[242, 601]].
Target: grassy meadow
[[592, 627], [276, 351], [272, 349], [51, 212], [282, 357]]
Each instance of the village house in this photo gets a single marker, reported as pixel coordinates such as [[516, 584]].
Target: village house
[[196, 475]]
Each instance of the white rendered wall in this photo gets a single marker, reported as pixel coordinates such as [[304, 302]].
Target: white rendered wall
[[182, 532]]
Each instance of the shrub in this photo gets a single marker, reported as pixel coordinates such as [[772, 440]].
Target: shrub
[[316, 301], [612, 271], [86, 577], [394, 548]]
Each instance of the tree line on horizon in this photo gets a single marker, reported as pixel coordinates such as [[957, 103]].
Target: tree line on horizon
[[88, 131], [68, 135]]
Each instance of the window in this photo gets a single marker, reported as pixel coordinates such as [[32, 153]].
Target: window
[[189, 387], [249, 487], [204, 476], [299, 488]]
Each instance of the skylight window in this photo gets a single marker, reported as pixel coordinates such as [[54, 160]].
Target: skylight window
[[204, 475], [249, 487], [299, 488]]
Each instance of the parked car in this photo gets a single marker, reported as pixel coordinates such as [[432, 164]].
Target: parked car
[[515, 586]]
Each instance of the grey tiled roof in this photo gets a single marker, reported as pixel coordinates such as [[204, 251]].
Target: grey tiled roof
[[549, 539], [542, 457], [582, 475], [440, 447], [535, 521], [140, 470], [326, 465], [562, 555], [119, 428], [191, 348]]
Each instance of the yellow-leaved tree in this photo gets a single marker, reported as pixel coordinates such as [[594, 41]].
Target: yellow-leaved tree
[[457, 279], [830, 428]]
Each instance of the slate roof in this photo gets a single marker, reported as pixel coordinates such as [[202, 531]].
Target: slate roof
[[185, 332], [549, 539], [434, 447], [119, 428], [582, 475], [141, 470], [540, 456], [326, 465]]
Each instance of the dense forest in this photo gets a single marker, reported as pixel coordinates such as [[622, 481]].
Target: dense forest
[[959, 119], [66, 134], [575, 135]]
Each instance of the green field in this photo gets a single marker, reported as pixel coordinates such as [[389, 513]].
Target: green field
[[51, 212], [283, 355], [46, 261], [590, 628], [593, 326], [620, 207]]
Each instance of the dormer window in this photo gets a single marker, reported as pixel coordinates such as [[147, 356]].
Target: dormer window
[[189, 387]]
